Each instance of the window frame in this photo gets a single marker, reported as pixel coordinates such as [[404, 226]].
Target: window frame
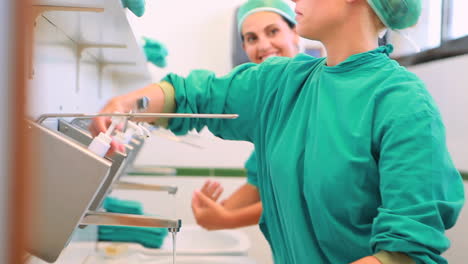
[[449, 47]]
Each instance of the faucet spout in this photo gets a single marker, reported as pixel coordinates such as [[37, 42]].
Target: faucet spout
[[113, 219], [122, 185]]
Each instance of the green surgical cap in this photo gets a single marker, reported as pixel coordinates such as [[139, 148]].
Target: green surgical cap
[[254, 6], [155, 52], [136, 6], [397, 14]]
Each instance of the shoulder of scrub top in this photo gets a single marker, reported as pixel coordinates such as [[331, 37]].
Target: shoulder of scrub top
[[297, 63], [300, 57]]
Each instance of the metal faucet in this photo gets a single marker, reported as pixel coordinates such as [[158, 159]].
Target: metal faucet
[[114, 219], [122, 185]]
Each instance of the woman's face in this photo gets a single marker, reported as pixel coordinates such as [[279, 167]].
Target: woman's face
[[317, 18], [266, 34]]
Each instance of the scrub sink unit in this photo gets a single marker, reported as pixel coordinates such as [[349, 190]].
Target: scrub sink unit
[[169, 260], [204, 260], [194, 241]]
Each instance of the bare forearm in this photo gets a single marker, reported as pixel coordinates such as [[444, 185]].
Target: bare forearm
[[153, 92], [245, 216], [243, 197]]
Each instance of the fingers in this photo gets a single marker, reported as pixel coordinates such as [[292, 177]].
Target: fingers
[[218, 193], [99, 124], [199, 213], [120, 126], [115, 146], [212, 189], [205, 186], [196, 204], [205, 200], [209, 214]]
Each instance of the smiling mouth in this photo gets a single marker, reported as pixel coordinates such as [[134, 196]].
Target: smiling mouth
[[263, 58]]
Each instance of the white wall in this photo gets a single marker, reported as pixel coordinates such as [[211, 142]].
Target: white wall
[[65, 83], [447, 81], [6, 72], [197, 34]]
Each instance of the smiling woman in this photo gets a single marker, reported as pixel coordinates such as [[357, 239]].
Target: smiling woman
[[267, 34], [267, 29]]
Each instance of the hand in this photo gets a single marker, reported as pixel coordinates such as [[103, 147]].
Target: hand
[[126, 103], [209, 214], [212, 190], [101, 123]]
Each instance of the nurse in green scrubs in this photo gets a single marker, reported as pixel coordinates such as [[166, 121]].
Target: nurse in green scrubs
[[352, 161], [267, 29]]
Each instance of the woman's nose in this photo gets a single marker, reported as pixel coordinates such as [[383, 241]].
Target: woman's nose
[[263, 44]]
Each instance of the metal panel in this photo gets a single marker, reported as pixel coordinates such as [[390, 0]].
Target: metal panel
[[118, 165], [66, 179], [136, 144], [118, 160], [78, 134]]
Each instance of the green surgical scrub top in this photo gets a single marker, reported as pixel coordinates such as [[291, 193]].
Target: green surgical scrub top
[[352, 159], [251, 168]]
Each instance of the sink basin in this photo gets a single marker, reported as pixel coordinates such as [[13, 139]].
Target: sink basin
[[139, 259], [193, 241], [204, 260], [84, 252]]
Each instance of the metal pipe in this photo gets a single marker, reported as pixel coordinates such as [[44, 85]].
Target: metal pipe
[[121, 185], [113, 219], [136, 115], [143, 170]]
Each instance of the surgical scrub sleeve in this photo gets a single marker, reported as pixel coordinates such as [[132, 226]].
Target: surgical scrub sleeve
[[251, 167], [352, 159]]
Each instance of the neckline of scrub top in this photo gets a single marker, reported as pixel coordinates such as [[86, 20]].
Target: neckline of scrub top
[[369, 58]]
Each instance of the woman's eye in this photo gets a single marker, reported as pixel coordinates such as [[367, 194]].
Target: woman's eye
[[274, 32], [251, 39]]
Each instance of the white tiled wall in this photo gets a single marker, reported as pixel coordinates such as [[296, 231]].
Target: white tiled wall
[[447, 81]]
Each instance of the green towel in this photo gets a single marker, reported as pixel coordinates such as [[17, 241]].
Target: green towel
[[146, 236], [149, 237], [155, 52], [136, 6], [115, 205]]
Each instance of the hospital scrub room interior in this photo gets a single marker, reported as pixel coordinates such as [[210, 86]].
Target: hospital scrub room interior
[[91, 173]]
